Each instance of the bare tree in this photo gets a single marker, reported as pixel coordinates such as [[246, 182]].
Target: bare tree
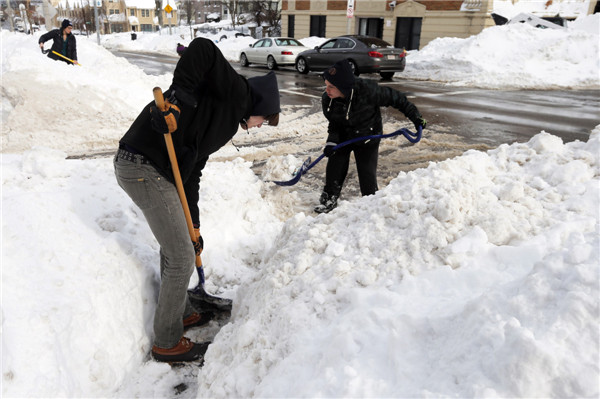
[[266, 12], [158, 11], [190, 8], [233, 6]]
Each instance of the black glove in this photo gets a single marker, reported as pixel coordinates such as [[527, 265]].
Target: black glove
[[328, 150], [164, 121], [419, 121], [199, 243]]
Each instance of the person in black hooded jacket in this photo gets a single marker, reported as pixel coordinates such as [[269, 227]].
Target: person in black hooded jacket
[[206, 103], [63, 42], [352, 107]]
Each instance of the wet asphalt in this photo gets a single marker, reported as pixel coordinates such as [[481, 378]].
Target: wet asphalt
[[459, 118]]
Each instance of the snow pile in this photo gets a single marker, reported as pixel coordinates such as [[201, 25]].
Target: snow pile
[[475, 277], [72, 108], [564, 8], [80, 276], [514, 56]]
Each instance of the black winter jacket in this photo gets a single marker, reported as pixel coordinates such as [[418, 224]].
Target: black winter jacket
[[360, 114], [57, 45], [213, 99]]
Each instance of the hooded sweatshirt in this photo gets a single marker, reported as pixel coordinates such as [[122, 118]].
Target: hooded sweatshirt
[[213, 99], [358, 112]]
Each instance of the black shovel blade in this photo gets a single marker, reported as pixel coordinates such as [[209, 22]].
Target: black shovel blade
[[202, 300]]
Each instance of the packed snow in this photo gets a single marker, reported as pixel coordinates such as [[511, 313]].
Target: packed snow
[[477, 276]]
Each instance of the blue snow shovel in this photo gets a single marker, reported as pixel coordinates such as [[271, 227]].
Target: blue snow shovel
[[307, 165], [198, 296]]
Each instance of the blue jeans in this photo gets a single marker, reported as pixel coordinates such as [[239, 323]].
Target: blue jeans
[[158, 200]]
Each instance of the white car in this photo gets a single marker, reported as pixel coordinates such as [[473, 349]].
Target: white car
[[272, 52]]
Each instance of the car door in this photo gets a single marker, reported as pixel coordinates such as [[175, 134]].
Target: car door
[[254, 53], [266, 49], [322, 56], [346, 48]]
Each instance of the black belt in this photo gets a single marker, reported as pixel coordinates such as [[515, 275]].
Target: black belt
[[131, 157]]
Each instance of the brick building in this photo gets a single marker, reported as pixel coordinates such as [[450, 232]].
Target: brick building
[[404, 23]]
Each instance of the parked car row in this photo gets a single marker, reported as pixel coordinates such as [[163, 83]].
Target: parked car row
[[366, 54], [272, 52]]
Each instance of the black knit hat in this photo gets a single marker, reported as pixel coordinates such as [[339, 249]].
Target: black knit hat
[[341, 76], [265, 95], [65, 23]]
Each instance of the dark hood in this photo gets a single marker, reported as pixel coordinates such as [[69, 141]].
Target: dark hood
[[265, 95]]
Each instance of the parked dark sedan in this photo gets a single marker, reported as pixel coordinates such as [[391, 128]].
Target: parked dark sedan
[[366, 55]]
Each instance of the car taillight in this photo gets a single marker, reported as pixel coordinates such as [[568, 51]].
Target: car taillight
[[285, 52], [375, 54], [403, 54]]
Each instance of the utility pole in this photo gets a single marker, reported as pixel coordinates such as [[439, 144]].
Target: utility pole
[[96, 4]]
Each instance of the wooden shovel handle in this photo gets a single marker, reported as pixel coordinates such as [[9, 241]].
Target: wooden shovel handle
[[160, 104], [159, 99]]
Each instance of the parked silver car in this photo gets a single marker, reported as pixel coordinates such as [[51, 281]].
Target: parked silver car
[[272, 52], [366, 55]]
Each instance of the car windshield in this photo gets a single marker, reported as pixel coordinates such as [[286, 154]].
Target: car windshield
[[288, 42], [374, 42]]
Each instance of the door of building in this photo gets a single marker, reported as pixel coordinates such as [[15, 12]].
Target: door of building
[[408, 33]]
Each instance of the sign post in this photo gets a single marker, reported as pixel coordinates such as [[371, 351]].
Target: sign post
[[349, 14], [168, 10]]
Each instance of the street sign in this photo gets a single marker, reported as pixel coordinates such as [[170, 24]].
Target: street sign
[[168, 9], [350, 9]]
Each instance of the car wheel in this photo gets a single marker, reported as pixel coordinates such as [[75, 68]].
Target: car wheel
[[244, 60], [354, 67], [386, 75], [271, 64], [301, 65]]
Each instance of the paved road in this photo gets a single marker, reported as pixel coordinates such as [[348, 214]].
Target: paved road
[[459, 119], [490, 117]]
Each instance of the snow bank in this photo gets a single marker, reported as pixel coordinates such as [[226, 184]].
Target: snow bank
[[477, 276], [513, 56], [71, 108]]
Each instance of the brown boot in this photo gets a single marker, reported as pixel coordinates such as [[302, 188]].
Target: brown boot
[[184, 351], [197, 319]]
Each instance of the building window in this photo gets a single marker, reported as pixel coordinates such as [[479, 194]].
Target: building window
[[291, 25], [371, 27], [132, 13], [317, 25]]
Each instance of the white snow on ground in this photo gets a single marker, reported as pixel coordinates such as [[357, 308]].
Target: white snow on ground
[[477, 276]]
